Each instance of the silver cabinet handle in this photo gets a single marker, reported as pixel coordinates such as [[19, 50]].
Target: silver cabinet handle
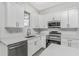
[[69, 43]]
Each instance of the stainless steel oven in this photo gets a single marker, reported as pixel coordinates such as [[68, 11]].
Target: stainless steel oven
[[53, 37]]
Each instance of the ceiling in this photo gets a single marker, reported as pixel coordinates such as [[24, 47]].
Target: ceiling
[[44, 5]]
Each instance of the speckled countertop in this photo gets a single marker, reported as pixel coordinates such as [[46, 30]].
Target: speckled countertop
[[8, 41], [16, 39], [11, 41]]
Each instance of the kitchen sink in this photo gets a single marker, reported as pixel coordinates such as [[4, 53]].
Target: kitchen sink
[[29, 36]]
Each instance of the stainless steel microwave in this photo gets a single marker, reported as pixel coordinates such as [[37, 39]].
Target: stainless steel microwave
[[54, 24]]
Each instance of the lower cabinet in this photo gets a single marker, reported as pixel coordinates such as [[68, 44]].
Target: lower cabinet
[[74, 43], [64, 42], [43, 39], [34, 44]]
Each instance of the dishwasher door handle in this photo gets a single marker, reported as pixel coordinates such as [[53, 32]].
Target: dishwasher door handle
[[12, 47]]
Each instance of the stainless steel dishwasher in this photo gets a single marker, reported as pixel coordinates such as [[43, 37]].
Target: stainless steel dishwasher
[[18, 49]]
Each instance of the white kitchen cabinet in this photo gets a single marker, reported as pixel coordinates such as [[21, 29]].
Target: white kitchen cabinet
[[14, 15], [34, 20], [38, 44], [20, 15], [57, 16], [64, 19], [73, 18], [31, 47], [34, 44], [75, 43], [2, 14], [70, 39], [43, 22], [64, 42], [69, 19], [43, 41]]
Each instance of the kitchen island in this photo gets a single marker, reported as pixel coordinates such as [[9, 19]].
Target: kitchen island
[[60, 50]]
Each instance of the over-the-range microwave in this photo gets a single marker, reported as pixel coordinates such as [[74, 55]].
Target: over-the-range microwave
[[54, 24]]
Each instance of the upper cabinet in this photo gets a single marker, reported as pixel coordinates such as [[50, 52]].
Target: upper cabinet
[[2, 14], [69, 19], [26, 19], [64, 19], [14, 15], [73, 18], [43, 21], [57, 16], [34, 20]]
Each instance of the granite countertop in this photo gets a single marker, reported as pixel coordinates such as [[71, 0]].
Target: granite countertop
[[9, 41]]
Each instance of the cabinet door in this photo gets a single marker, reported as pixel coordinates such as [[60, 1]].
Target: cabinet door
[[43, 39], [31, 47], [14, 15], [2, 14], [64, 42], [10, 15], [64, 19], [34, 20], [20, 15], [43, 21], [38, 44], [75, 43], [58, 15], [34, 45], [73, 18]]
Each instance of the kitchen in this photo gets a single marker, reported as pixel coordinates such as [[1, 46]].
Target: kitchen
[[39, 28]]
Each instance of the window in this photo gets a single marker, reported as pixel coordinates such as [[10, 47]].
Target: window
[[26, 19]]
